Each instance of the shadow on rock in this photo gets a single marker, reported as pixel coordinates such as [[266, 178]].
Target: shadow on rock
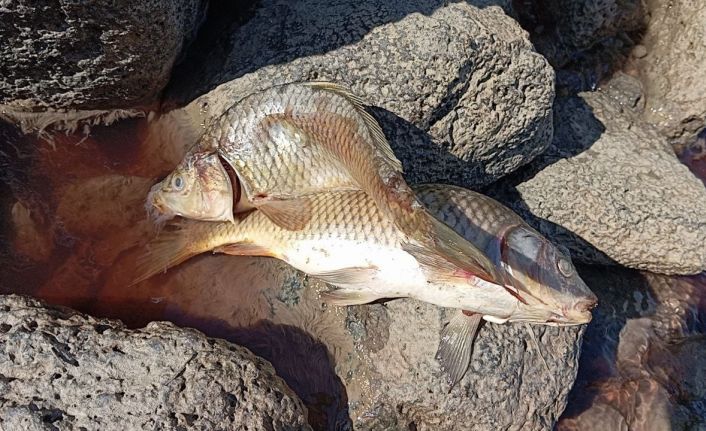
[[584, 40], [312, 28], [303, 362]]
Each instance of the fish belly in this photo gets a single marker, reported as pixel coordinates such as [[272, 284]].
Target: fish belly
[[390, 272]]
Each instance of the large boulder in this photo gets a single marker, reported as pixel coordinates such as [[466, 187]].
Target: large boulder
[[673, 68], [63, 370], [67, 56], [459, 90], [612, 190]]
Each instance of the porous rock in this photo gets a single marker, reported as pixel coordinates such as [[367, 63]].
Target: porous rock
[[459, 90], [373, 367], [63, 370], [65, 55], [563, 29], [673, 68], [611, 189], [506, 375]]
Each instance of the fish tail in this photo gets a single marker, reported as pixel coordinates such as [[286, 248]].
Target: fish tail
[[172, 247]]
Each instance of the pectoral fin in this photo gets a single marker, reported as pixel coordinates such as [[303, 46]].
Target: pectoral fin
[[461, 253], [357, 275], [290, 214], [456, 345]]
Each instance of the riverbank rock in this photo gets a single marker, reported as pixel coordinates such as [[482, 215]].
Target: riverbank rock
[[366, 367], [63, 370], [102, 59], [563, 29], [673, 68], [506, 374], [642, 361], [459, 90], [611, 189]]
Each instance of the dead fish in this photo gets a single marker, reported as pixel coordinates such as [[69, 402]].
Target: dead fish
[[289, 142], [198, 188], [351, 244]]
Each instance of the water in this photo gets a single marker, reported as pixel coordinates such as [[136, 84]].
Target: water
[[73, 223]]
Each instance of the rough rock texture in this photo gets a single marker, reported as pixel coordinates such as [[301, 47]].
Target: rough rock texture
[[369, 366], [506, 375], [64, 54], [585, 40], [674, 68], [642, 365], [62, 370], [466, 98], [569, 27], [611, 189]]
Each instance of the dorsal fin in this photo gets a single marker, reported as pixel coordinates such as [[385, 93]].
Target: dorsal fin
[[379, 140]]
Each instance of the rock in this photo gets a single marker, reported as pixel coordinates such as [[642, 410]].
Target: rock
[[467, 92], [370, 366], [571, 26], [62, 370], [611, 189], [585, 40], [642, 360], [673, 70], [95, 59], [506, 374]]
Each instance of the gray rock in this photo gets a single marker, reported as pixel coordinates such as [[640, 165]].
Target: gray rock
[[611, 189], [97, 58], [63, 370], [674, 68], [459, 90], [506, 375], [372, 366]]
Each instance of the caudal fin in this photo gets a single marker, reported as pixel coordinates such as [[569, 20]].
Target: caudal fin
[[168, 249]]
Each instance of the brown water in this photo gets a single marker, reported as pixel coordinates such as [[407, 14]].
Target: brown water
[[73, 224]]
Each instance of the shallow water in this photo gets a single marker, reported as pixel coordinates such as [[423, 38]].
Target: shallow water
[[73, 224]]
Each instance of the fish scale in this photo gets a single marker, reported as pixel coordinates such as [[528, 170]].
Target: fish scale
[[295, 140]]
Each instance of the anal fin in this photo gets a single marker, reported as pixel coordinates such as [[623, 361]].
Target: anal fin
[[290, 214], [456, 345]]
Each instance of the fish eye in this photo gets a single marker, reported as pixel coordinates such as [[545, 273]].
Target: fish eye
[[178, 182], [565, 267]]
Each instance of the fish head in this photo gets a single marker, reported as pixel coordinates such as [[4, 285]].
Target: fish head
[[199, 189], [546, 283]]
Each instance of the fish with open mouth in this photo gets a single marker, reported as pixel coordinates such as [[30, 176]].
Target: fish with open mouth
[[349, 242], [288, 143]]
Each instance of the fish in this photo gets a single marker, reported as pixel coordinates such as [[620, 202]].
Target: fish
[[350, 243], [198, 188], [289, 142]]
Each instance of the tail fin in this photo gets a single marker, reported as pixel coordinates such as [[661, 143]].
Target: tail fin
[[170, 248]]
